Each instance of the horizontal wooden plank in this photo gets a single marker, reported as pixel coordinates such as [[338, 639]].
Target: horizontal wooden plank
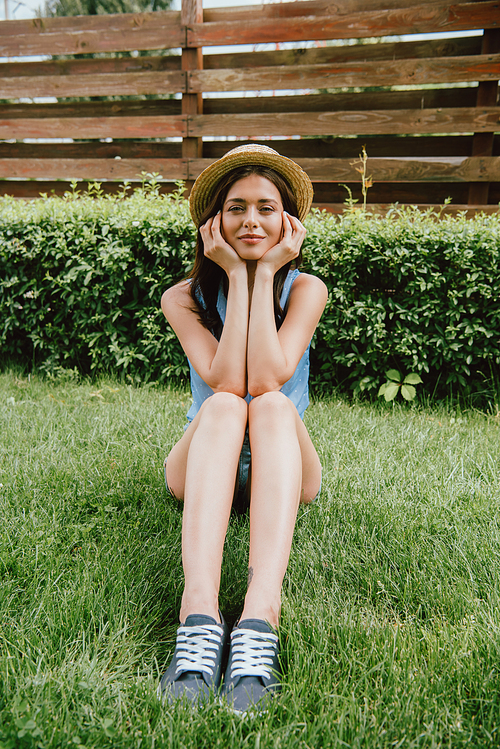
[[116, 108], [87, 127], [425, 98], [34, 188], [127, 84], [381, 209], [450, 169], [91, 66], [119, 22], [394, 146], [347, 123], [351, 74], [307, 8], [389, 170], [106, 84], [393, 192], [428, 18], [315, 148], [91, 169], [125, 149], [91, 34], [452, 47], [453, 120]]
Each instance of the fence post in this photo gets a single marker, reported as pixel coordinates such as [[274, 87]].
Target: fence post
[[482, 143], [192, 59]]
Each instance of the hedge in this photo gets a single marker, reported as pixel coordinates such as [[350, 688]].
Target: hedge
[[82, 276]]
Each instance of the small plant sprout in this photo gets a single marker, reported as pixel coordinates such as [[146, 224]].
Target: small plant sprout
[[366, 181], [395, 383]]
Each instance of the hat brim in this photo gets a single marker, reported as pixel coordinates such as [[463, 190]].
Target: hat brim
[[251, 154]]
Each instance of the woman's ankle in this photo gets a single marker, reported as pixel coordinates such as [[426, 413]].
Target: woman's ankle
[[199, 605], [266, 612]]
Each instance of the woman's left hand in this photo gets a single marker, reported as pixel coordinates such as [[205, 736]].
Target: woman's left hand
[[288, 247]]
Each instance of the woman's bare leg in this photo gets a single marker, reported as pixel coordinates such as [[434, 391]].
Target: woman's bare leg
[[285, 470], [202, 469]]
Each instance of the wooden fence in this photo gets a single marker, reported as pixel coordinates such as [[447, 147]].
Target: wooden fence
[[426, 110]]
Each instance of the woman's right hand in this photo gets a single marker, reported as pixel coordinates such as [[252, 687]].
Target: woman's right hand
[[216, 248]]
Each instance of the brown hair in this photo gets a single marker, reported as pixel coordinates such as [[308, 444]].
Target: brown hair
[[207, 276]]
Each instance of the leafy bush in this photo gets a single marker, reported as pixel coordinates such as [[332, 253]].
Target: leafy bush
[[82, 276], [82, 280], [410, 291]]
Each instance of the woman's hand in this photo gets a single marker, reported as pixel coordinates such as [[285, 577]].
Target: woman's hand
[[288, 247], [216, 248]]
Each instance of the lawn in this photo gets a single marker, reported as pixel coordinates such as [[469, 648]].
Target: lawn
[[390, 627]]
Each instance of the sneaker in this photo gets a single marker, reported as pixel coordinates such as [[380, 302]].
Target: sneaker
[[196, 667], [253, 672]]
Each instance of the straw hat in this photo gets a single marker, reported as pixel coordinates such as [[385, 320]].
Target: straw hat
[[252, 153]]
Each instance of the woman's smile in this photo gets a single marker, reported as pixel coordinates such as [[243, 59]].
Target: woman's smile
[[252, 217]]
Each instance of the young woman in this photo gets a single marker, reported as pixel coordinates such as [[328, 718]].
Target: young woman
[[245, 318]]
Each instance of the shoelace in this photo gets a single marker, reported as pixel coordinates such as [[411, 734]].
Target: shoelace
[[252, 652], [197, 648]]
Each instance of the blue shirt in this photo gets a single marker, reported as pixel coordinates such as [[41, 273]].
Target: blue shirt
[[296, 388]]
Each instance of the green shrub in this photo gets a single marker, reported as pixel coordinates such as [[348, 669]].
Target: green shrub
[[410, 291], [82, 280], [82, 276]]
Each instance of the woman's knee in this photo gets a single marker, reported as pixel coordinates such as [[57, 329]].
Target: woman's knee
[[224, 404], [272, 406]]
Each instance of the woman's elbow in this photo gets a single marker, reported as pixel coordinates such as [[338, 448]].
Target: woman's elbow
[[260, 387]]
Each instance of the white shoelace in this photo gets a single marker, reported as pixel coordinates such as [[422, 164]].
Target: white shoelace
[[197, 648], [252, 652]]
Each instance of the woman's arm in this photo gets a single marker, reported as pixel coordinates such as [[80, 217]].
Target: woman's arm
[[221, 364], [274, 355]]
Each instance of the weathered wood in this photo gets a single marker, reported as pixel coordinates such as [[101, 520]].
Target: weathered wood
[[432, 18], [453, 120], [192, 60], [382, 208], [312, 148], [410, 99], [90, 34], [127, 108], [119, 22], [451, 169], [308, 8], [87, 127], [430, 98], [399, 192], [91, 169], [106, 84], [391, 73], [487, 94], [124, 149], [350, 148], [91, 66], [35, 188], [455, 47]]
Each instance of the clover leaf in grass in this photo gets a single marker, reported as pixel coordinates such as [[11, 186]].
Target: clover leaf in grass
[[395, 383]]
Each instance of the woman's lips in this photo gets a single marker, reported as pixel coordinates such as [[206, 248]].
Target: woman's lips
[[251, 238]]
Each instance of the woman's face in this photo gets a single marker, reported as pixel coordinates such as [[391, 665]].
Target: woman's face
[[252, 217]]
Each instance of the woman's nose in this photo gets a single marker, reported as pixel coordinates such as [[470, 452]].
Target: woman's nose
[[251, 216]]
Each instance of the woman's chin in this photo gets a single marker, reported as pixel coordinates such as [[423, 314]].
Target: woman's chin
[[251, 253]]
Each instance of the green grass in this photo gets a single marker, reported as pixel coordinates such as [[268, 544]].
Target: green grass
[[390, 625]]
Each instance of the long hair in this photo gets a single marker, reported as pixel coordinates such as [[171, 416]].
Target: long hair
[[206, 276]]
